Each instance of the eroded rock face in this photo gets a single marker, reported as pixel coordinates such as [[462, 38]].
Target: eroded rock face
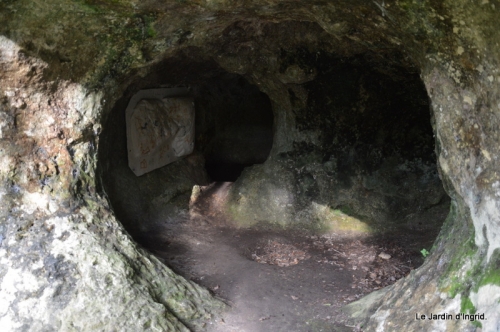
[[65, 64]]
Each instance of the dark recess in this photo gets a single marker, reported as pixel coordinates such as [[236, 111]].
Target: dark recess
[[234, 126]]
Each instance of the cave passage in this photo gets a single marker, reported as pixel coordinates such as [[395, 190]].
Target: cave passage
[[234, 126], [363, 145], [362, 154]]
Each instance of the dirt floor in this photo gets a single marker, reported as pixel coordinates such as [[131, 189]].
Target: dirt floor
[[275, 280]]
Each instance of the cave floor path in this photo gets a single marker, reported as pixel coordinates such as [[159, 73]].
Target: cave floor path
[[276, 280]]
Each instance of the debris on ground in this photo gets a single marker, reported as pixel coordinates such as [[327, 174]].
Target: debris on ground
[[380, 270], [281, 254]]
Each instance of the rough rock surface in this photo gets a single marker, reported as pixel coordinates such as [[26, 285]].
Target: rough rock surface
[[66, 263]]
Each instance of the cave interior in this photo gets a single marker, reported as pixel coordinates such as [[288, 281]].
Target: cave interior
[[363, 148], [344, 172]]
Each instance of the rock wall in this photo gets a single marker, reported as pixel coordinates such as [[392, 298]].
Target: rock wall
[[362, 142], [66, 263]]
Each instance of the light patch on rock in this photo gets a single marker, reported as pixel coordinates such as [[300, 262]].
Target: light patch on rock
[[380, 318], [33, 201], [486, 216], [385, 256], [15, 287], [6, 163], [444, 164], [281, 198], [496, 187], [14, 282], [452, 307], [337, 220], [105, 272], [8, 324], [486, 154], [8, 50], [86, 104], [468, 100], [487, 301]]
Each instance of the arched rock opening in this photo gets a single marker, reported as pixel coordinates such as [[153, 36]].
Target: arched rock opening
[[359, 159], [67, 263]]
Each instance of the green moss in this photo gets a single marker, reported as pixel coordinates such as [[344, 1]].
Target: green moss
[[91, 7], [346, 210], [473, 279], [461, 253], [454, 287], [466, 271], [149, 22], [151, 32], [491, 275], [113, 60], [467, 306]]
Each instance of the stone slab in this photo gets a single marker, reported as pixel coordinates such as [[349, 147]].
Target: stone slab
[[160, 128]]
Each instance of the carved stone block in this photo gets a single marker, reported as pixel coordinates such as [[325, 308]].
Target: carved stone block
[[160, 128]]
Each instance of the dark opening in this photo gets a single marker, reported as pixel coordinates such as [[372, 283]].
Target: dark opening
[[234, 126], [376, 145]]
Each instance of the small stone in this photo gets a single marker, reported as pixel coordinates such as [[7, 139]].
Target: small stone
[[383, 255]]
